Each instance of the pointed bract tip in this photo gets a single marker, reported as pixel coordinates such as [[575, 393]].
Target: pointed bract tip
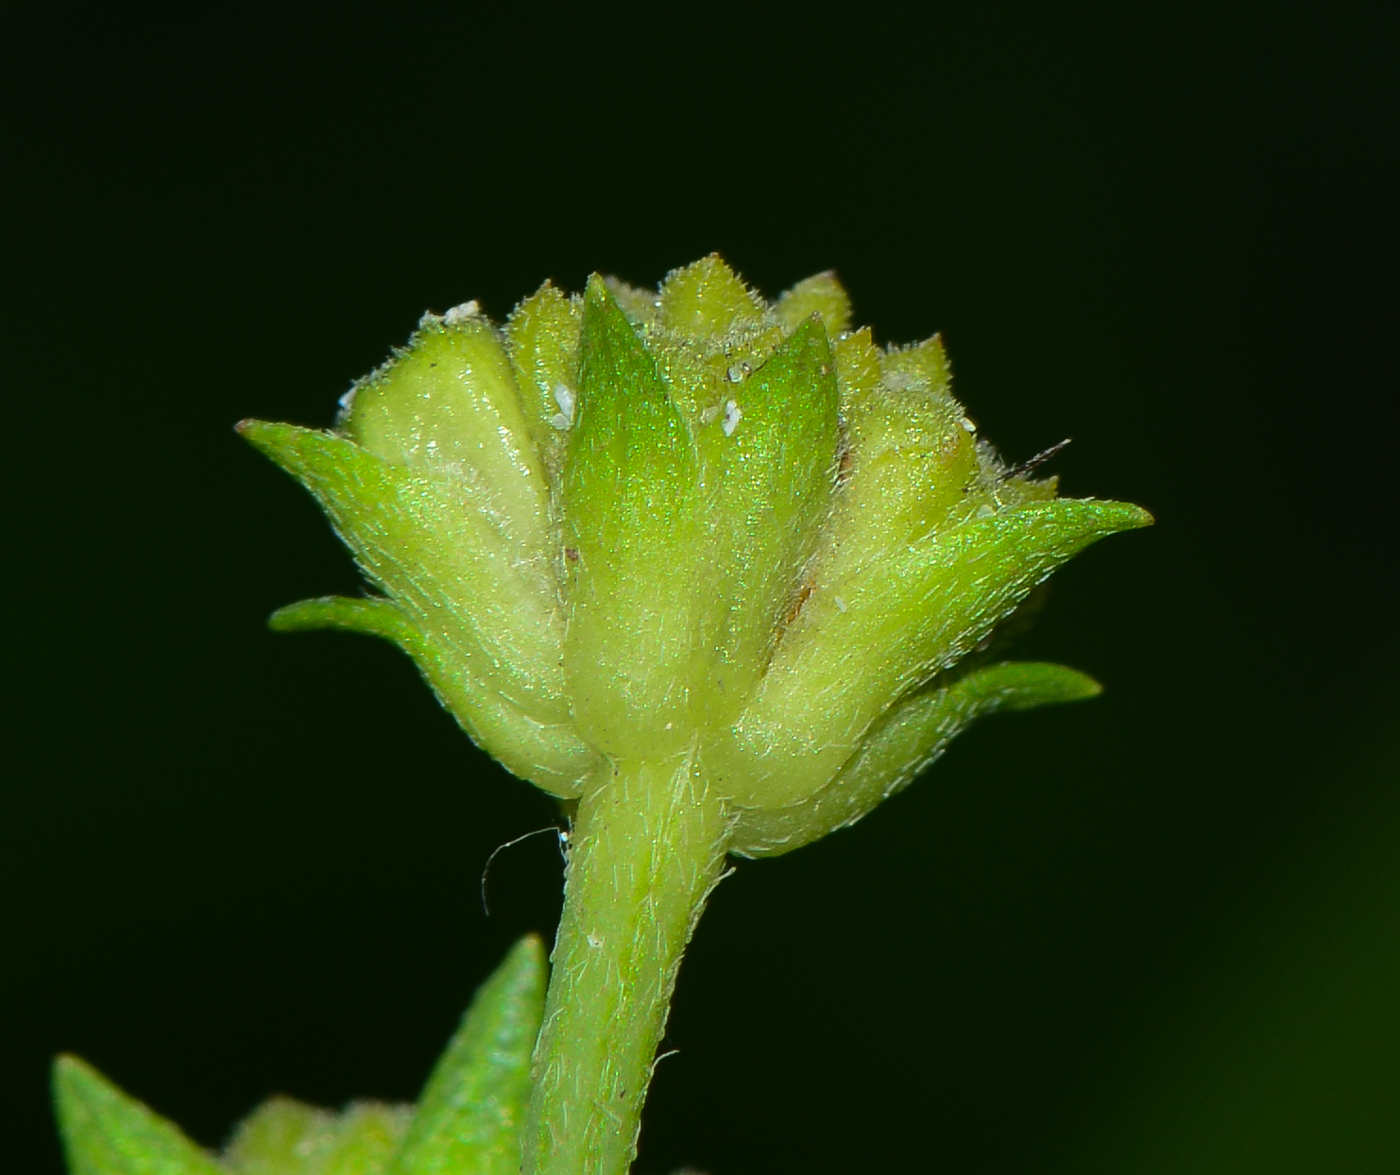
[[533, 946], [1035, 683], [528, 957], [597, 290], [1075, 687], [1111, 517], [70, 1072], [255, 431]]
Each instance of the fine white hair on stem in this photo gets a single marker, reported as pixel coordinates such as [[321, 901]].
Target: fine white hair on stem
[[562, 835], [662, 1057]]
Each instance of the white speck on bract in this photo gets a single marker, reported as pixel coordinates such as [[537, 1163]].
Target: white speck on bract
[[738, 372], [732, 413], [840, 604], [564, 397], [594, 941], [708, 414], [460, 314], [968, 424]]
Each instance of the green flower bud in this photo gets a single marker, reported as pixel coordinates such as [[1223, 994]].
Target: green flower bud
[[639, 526]]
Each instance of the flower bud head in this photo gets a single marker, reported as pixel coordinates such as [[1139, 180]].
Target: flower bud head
[[638, 524]]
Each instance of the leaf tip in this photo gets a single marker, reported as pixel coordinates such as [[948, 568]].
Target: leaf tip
[[261, 434], [1077, 687], [1025, 685], [1134, 517], [292, 618], [596, 292], [532, 947], [74, 1079], [65, 1074]]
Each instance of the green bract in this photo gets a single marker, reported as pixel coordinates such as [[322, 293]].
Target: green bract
[[629, 527]]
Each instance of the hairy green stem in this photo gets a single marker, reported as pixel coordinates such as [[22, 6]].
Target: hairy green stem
[[647, 847]]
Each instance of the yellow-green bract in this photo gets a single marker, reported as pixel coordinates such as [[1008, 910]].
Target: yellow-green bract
[[629, 526]]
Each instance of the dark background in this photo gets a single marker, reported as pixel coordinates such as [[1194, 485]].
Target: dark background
[[1158, 932]]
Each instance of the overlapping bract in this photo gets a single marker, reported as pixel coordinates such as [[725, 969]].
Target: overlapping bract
[[631, 524]]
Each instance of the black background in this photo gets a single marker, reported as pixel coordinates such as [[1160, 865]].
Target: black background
[[1157, 932]]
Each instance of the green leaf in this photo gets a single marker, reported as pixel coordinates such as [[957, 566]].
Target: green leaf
[[287, 1137], [634, 540], [906, 740], [470, 1115], [867, 638], [105, 1132]]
